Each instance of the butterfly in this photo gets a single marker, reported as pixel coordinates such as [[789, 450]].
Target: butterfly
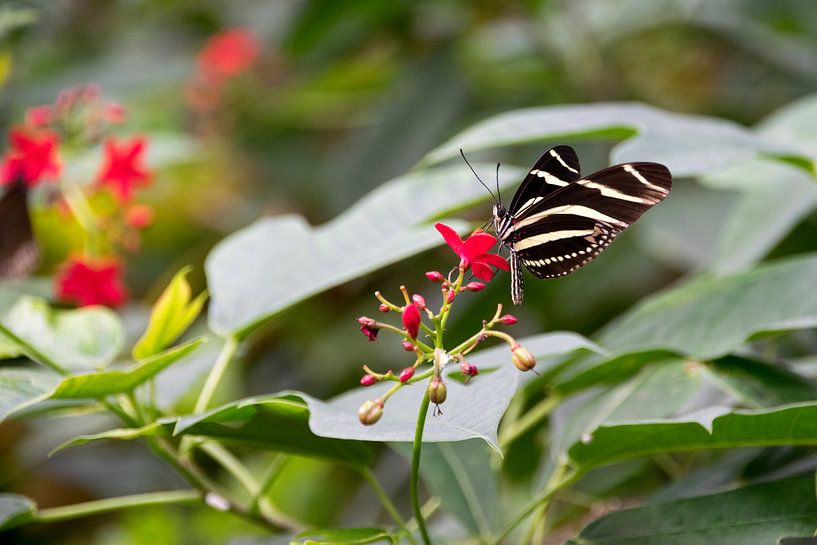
[[559, 220], [19, 252]]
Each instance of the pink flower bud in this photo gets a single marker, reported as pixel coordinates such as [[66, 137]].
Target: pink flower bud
[[419, 301], [408, 347], [383, 307], [368, 322], [406, 374], [468, 369], [370, 412], [449, 297], [370, 332], [522, 358], [367, 380], [435, 276], [474, 286], [411, 320], [508, 319]]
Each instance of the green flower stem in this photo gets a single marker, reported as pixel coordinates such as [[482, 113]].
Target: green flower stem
[[422, 376], [562, 477], [402, 333], [68, 512], [387, 504], [273, 472], [216, 374], [415, 469], [530, 419], [233, 465]]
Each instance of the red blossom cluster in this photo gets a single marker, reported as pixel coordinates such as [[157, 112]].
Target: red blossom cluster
[[417, 318], [80, 118], [225, 56]]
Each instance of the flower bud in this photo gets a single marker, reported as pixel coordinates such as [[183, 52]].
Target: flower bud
[[370, 332], [474, 286], [468, 369], [419, 301], [367, 380], [368, 322], [437, 391], [411, 320], [406, 374], [383, 307], [435, 276], [508, 319], [522, 358], [449, 297], [407, 346], [370, 412]]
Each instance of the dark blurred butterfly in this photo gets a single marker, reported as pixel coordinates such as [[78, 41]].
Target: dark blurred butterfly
[[19, 252], [560, 220]]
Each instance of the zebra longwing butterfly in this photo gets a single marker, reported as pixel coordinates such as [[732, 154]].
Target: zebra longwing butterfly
[[560, 220]]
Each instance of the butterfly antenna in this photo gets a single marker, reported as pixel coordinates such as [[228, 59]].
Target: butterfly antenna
[[477, 175], [499, 194]]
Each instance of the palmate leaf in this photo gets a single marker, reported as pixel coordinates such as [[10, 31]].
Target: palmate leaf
[[284, 260], [688, 145], [763, 513]]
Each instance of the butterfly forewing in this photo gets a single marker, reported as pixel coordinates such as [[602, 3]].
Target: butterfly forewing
[[555, 169], [554, 234]]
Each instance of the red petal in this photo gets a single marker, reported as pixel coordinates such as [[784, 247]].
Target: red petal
[[451, 238], [493, 260], [482, 271], [478, 244]]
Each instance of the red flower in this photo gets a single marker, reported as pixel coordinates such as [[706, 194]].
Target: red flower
[[411, 320], [139, 216], [122, 169], [228, 53], [32, 157], [91, 283], [473, 251]]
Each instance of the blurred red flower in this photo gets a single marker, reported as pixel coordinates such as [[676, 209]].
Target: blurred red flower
[[139, 216], [122, 170], [473, 251], [228, 53], [39, 116], [31, 157], [87, 283]]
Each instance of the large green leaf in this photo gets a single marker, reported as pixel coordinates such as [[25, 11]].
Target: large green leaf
[[757, 514], [775, 197], [794, 125], [19, 386], [710, 317], [688, 145], [276, 262], [277, 422], [470, 411], [15, 510], [85, 338]]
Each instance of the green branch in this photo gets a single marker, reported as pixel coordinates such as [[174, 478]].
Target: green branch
[[68, 512]]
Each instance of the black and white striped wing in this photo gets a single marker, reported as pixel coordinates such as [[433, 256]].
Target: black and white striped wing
[[555, 169], [572, 226], [19, 252]]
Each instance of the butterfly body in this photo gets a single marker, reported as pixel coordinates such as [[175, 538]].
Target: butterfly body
[[559, 220]]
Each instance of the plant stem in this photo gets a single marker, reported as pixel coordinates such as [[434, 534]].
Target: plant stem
[[415, 469], [233, 465], [68, 512], [216, 374], [273, 471], [531, 418], [386, 502], [32, 352]]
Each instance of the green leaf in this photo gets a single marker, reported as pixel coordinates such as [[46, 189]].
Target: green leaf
[[277, 422], [265, 268], [350, 536], [775, 198], [460, 474], [12, 18], [104, 383], [710, 317], [19, 386], [794, 125], [470, 411], [688, 145], [161, 427], [85, 338], [762, 513], [172, 315], [15, 510]]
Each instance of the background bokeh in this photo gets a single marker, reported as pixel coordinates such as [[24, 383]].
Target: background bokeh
[[344, 96]]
